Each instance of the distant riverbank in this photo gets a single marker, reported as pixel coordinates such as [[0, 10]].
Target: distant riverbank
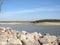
[[40, 23], [47, 23], [14, 22], [11, 23]]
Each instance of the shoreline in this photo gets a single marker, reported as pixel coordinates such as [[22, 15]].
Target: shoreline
[[12, 23], [41, 23], [48, 23]]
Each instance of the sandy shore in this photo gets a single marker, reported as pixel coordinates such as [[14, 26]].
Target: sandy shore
[[12, 23], [48, 23], [43, 23]]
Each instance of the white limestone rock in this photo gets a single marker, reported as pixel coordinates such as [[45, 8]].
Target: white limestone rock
[[12, 37], [14, 41], [2, 29]]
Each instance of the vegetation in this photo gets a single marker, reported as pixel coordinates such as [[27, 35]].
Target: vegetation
[[46, 20], [14, 21]]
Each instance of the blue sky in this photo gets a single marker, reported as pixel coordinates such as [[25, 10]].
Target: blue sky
[[27, 10]]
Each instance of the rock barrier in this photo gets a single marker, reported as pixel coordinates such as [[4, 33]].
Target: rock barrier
[[8, 36]]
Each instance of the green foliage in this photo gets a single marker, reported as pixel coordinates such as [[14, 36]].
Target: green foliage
[[46, 20]]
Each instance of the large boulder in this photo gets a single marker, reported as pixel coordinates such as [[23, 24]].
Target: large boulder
[[3, 39], [13, 41], [2, 30], [49, 39]]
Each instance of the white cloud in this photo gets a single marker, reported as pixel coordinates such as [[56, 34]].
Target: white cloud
[[58, 6], [6, 14]]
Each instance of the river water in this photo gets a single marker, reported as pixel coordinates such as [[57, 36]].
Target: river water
[[52, 29]]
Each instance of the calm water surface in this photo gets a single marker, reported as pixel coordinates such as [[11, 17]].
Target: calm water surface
[[55, 30]]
